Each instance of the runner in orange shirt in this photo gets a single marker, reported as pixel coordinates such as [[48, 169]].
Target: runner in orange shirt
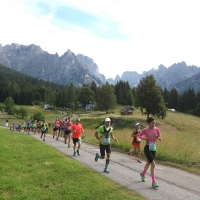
[[77, 129]]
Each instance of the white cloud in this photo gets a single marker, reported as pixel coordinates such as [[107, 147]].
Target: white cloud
[[140, 34]]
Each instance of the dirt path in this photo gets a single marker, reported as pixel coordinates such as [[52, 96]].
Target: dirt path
[[174, 183]]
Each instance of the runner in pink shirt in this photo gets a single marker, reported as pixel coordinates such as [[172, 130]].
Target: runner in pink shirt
[[151, 134]]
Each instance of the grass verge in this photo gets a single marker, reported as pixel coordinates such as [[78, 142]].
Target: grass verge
[[33, 170]]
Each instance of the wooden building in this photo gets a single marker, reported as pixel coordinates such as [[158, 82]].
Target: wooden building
[[127, 111]]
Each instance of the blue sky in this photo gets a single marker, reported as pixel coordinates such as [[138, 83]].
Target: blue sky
[[119, 35]]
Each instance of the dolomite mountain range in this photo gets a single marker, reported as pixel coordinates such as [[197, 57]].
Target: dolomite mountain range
[[79, 69]]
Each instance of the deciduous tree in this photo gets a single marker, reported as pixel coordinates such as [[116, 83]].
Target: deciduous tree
[[9, 106], [86, 95], [37, 116], [23, 112], [149, 97]]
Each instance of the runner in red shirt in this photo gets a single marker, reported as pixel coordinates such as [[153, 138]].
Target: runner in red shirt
[[59, 128], [77, 129], [56, 126], [68, 130]]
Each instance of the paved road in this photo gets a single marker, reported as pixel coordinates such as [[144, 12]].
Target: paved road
[[174, 183]]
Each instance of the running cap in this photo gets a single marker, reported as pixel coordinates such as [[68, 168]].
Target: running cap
[[137, 124], [78, 120], [107, 120]]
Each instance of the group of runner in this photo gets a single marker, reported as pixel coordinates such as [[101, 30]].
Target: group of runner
[[150, 134], [70, 130], [62, 127], [35, 126]]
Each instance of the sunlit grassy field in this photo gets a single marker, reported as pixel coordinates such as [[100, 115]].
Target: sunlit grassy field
[[180, 133], [33, 170]]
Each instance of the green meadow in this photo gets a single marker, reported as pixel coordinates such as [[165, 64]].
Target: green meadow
[[180, 133], [31, 169]]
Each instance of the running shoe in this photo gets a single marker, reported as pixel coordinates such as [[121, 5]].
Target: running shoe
[[78, 153], [106, 171], [57, 138], [68, 145], [43, 139], [74, 154], [142, 177], [154, 184], [96, 157], [53, 136], [65, 142]]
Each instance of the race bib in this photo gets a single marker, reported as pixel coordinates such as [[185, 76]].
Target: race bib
[[152, 146], [68, 128], [106, 140]]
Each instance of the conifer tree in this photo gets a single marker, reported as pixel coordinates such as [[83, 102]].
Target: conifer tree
[[106, 99], [173, 99]]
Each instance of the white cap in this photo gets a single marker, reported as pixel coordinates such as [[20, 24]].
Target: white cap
[[107, 120], [137, 124]]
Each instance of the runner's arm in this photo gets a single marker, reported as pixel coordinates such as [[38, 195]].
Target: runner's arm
[[113, 137], [133, 133], [97, 136]]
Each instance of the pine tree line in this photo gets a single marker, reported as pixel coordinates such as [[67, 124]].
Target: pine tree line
[[26, 90]]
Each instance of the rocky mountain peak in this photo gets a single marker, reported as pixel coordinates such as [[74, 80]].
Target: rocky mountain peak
[[62, 70], [80, 69]]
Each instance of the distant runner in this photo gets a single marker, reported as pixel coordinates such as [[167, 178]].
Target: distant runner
[[136, 142], [43, 129], [68, 130]]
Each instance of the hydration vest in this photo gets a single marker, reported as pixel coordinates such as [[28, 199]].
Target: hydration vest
[[106, 132]]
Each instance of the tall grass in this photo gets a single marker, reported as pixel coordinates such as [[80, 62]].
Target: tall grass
[[180, 139]]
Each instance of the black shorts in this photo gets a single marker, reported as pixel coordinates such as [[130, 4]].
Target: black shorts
[[76, 140], [149, 154], [55, 129], [105, 148], [44, 131], [67, 132]]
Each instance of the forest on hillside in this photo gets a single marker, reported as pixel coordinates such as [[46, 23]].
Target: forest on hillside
[[26, 90]]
